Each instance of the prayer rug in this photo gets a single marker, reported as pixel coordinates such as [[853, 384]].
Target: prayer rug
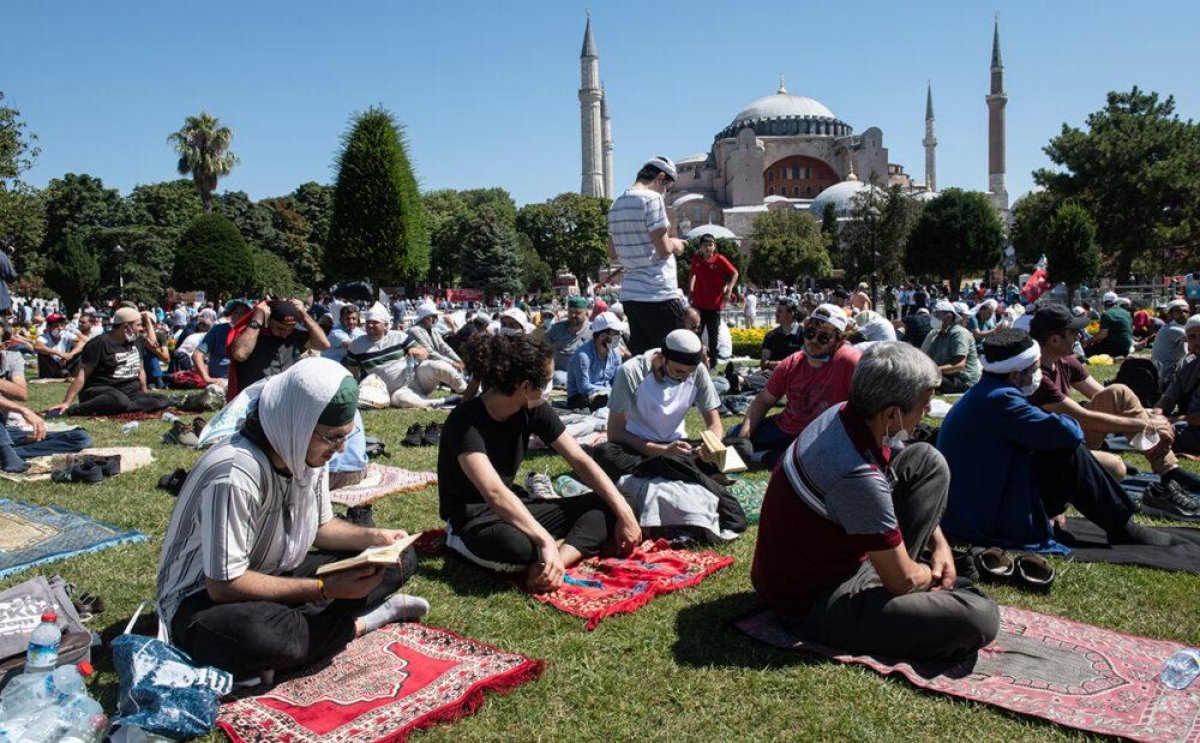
[[31, 535], [40, 468], [1088, 543], [383, 686], [1071, 674], [749, 494], [381, 480], [602, 586]]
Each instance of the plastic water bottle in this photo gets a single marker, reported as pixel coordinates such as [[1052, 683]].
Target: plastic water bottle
[[569, 487], [170, 417], [1182, 669], [42, 654], [129, 427]]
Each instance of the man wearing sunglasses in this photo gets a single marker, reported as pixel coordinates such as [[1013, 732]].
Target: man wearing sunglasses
[[812, 380], [638, 240]]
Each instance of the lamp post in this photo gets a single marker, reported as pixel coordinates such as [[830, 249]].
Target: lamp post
[[872, 215], [119, 255]]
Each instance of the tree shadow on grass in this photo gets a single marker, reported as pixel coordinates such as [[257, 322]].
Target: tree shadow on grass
[[705, 637]]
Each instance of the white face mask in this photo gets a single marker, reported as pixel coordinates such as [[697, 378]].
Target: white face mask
[[935, 324], [897, 439], [545, 395], [509, 331], [1145, 441], [1034, 383]]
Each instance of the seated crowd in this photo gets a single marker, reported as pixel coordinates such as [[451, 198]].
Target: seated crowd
[[853, 546]]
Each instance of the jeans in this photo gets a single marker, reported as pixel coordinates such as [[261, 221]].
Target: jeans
[[861, 616], [249, 637], [769, 437], [63, 442]]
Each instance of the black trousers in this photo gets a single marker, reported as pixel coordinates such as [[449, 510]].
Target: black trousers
[[650, 322], [710, 321], [52, 367], [104, 400], [249, 637], [585, 522], [1073, 476], [862, 616]]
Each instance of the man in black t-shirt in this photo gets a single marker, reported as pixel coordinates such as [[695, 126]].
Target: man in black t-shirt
[[111, 379], [272, 341]]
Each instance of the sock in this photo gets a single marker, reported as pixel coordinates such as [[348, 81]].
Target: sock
[[1134, 533], [399, 607], [10, 461], [1189, 481]]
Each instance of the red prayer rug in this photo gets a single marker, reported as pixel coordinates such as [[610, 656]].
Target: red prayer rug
[[602, 586], [383, 686], [379, 481], [1069, 673]]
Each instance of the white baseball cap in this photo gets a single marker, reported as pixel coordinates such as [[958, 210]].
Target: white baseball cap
[[607, 321], [1110, 298], [1177, 304], [425, 310], [832, 314], [663, 163], [519, 315], [943, 306]]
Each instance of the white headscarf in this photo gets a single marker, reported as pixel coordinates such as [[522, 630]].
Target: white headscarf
[[289, 407]]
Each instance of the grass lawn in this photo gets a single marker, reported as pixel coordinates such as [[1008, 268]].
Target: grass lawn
[[673, 670]]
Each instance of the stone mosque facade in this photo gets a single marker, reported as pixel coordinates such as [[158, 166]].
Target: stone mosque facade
[[781, 152]]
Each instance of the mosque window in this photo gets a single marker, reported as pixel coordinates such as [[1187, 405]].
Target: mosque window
[[770, 175], [795, 190]]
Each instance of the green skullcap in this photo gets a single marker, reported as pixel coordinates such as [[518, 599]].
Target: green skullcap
[[340, 409], [577, 303]]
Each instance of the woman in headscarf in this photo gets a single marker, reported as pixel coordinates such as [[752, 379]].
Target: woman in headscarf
[[236, 585]]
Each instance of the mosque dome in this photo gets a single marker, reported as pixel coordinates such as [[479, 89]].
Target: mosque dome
[[784, 114], [715, 230], [844, 196]]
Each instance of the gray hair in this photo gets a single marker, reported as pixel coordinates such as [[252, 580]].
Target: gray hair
[[891, 373]]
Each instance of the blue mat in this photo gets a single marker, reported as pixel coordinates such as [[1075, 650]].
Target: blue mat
[[31, 535]]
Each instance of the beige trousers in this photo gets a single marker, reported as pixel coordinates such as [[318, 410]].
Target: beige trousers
[[1117, 399]]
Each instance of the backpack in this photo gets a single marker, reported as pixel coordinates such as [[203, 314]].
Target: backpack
[[1141, 376]]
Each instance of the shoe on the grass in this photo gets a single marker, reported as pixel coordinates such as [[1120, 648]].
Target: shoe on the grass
[[1169, 500], [432, 435], [361, 515], [414, 436], [181, 433], [540, 486]]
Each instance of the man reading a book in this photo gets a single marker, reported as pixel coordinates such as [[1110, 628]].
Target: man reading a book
[[237, 580]]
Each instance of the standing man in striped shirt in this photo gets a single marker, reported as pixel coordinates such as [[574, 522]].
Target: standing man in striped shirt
[[638, 241]]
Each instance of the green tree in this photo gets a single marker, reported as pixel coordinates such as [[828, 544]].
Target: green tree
[[18, 148], [1031, 217], [214, 257], [273, 275], [449, 219], [171, 205], [293, 242], [536, 275], [255, 221], [203, 148], [830, 228], [314, 202], [146, 264], [77, 203], [725, 246], [23, 221], [378, 225], [958, 232], [787, 245], [72, 272], [1073, 256], [1136, 169], [491, 261], [569, 231]]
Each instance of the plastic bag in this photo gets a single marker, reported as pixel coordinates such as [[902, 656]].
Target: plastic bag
[[230, 418], [162, 692], [373, 393]]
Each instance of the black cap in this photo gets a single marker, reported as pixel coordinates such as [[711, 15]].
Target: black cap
[[1054, 318]]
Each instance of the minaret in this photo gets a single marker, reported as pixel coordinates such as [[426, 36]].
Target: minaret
[[996, 100], [930, 142], [590, 97], [606, 144]]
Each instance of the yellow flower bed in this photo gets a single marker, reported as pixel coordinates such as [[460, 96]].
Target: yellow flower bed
[[748, 335]]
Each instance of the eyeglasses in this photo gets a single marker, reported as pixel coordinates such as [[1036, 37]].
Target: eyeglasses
[[338, 441], [820, 336]]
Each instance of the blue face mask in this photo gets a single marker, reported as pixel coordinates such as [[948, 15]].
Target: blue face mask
[[669, 381]]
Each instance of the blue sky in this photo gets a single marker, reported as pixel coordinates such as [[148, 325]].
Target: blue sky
[[488, 91]]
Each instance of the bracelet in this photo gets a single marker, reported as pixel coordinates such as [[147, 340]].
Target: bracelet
[[321, 589]]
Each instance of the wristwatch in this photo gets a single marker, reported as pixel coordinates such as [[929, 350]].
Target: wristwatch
[[254, 324]]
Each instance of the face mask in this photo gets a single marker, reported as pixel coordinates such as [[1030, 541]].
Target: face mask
[[1034, 383], [1145, 441], [935, 324], [56, 334], [509, 331], [668, 381], [545, 394], [897, 439]]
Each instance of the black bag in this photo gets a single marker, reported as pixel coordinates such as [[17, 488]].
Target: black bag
[[1141, 376]]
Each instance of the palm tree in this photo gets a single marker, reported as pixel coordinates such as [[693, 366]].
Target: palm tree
[[203, 147]]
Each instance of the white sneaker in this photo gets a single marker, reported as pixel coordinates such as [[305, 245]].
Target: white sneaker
[[540, 486]]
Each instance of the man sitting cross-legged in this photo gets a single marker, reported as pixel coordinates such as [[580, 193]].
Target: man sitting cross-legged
[[1111, 409], [236, 585], [594, 365], [496, 523], [401, 362], [1016, 466], [812, 380], [846, 519]]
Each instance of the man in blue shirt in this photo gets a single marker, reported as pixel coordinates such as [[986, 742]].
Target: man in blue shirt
[[594, 365], [1015, 468], [347, 330], [211, 357]]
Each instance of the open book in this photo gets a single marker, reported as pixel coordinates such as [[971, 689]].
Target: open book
[[721, 456], [384, 556]]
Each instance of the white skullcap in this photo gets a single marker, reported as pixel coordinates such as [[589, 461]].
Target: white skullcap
[[1110, 298], [1192, 322], [377, 313], [425, 309]]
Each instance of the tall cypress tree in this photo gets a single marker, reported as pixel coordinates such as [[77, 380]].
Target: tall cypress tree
[[73, 273], [490, 260], [377, 229]]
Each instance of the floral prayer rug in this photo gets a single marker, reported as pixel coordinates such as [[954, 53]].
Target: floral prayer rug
[[31, 535], [749, 494], [1068, 673], [602, 586], [383, 686], [379, 481]]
